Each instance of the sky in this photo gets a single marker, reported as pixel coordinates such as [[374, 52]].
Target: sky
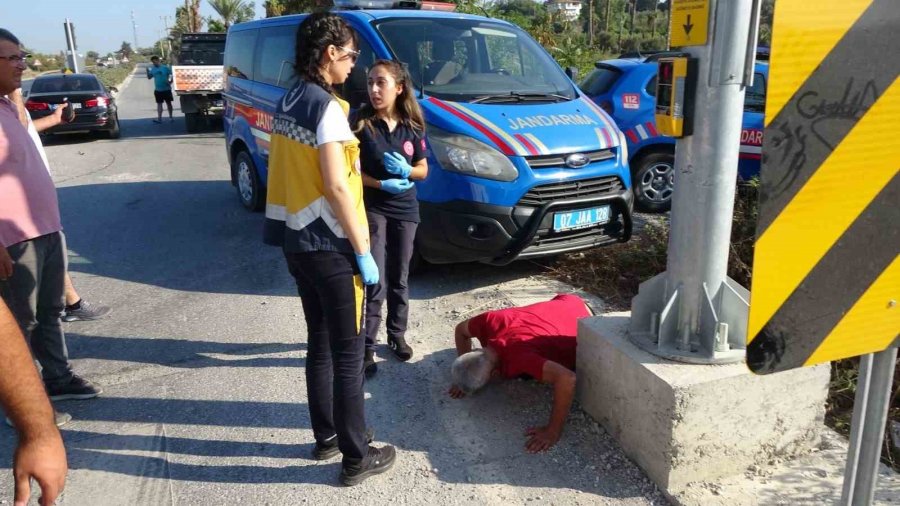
[[100, 25]]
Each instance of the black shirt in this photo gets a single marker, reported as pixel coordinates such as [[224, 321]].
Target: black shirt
[[374, 142]]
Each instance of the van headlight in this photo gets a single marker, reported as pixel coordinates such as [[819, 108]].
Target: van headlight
[[623, 147], [465, 155]]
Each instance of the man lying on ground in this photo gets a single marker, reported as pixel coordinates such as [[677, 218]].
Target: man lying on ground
[[536, 341]]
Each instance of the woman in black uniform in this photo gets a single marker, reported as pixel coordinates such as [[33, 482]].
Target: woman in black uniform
[[391, 131], [314, 211]]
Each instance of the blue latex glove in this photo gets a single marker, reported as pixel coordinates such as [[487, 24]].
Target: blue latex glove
[[396, 186], [367, 268], [396, 164]]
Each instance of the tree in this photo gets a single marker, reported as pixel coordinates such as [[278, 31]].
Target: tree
[[765, 22], [233, 11], [214, 25], [194, 21], [126, 49], [526, 8], [276, 8], [92, 55]]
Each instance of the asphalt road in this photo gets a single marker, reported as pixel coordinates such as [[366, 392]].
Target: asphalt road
[[202, 358]]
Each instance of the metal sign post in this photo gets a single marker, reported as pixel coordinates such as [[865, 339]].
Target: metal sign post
[[693, 312], [71, 49], [870, 409]]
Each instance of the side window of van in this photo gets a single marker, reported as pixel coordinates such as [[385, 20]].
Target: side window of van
[[355, 88], [239, 54], [275, 56]]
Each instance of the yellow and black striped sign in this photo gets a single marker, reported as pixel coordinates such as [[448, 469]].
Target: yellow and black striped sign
[[826, 271]]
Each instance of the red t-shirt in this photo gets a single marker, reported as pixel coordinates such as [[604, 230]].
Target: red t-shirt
[[526, 337]]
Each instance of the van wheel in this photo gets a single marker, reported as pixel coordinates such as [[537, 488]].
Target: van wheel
[[250, 191], [653, 178]]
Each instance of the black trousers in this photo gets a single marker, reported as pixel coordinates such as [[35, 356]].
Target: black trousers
[[332, 293], [391, 241]]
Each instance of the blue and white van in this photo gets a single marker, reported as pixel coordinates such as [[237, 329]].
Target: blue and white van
[[521, 163]]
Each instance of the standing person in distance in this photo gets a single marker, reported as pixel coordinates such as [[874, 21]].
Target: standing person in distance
[[162, 87], [391, 130], [314, 211]]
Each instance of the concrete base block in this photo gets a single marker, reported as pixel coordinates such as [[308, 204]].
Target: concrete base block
[[694, 423]]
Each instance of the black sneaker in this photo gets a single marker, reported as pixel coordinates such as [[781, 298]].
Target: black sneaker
[[59, 418], [78, 388], [400, 348], [377, 461], [329, 449], [369, 365], [86, 311]]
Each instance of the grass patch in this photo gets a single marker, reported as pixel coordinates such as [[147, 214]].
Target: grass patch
[[615, 272], [112, 76]]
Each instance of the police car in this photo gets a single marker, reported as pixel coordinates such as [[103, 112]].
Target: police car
[[522, 164], [626, 89]]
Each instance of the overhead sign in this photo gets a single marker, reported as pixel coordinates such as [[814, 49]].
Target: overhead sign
[[690, 19], [826, 272]]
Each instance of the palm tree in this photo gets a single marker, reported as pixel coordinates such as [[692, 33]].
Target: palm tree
[[232, 11]]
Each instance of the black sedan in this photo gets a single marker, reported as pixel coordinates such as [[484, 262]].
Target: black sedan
[[93, 104]]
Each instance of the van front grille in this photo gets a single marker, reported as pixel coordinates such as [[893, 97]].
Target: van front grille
[[559, 161], [572, 190]]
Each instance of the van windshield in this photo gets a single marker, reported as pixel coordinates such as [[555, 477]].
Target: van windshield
[[471, 60]]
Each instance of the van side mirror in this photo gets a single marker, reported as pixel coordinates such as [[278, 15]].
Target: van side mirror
[[572, 72]]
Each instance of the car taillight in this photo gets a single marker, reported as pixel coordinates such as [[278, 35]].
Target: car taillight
[[606, 106], [95, 102], [36, 106]]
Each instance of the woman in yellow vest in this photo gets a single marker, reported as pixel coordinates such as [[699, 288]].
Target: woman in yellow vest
[[314, 211]]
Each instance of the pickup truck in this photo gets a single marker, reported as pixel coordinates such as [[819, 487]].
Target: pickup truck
[[197, 78]]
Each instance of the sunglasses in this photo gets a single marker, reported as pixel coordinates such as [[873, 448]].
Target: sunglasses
[[354, 55]]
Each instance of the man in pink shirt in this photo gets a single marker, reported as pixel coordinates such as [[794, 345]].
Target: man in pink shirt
[[32, 247]]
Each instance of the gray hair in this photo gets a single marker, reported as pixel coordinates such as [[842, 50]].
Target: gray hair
[[9, 37], [472, 370]]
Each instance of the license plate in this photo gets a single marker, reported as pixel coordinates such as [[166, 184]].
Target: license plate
[[76, 105], [582, 218]]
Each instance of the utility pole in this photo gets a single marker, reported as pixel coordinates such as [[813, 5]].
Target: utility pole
[[693, 312], [162, 47], [71, 47], [166, 37], [134, 30]]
